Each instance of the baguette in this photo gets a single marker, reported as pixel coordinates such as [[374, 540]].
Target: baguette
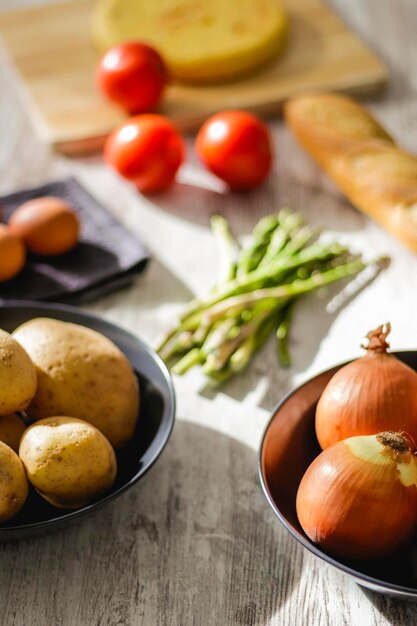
[[377, 176]]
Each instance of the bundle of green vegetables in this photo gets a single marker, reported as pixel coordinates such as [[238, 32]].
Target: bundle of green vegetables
[[258, 284]]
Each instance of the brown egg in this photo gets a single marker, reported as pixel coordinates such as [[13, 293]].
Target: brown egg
[[47, 225], [12, 253]]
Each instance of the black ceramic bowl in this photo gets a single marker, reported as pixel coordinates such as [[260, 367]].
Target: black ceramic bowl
[[154, 426], [287, 448]]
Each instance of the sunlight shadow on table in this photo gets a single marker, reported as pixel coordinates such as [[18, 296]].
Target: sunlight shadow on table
[[198, 203], [395, 611], [146, 291], [194, 543]]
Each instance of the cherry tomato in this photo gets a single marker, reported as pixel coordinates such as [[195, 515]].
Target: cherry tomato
[[236, 146], [146, 150], [133, 75]]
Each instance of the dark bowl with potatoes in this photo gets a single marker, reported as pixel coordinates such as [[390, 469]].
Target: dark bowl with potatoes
[[151, 434]]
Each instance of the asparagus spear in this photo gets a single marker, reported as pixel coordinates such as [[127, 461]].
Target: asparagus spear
[[289, 225], [255, 294], [227, 248], [193, 357], [215, 334], [240, 359], [176, 343], [282, 336], [220, 343], [252, 254], [269, 295], [217, 358], [274, 271], [244, 353]]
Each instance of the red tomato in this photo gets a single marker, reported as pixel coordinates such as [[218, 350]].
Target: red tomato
[[133, 75], [146, 150], [236, 146]]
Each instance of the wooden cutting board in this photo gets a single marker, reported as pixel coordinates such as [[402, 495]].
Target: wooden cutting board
[[51, 48]]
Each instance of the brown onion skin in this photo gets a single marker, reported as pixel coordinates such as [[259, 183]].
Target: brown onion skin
[[352, 512], [372, 394]]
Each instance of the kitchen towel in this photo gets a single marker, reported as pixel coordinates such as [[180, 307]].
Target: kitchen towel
[[107, 257]]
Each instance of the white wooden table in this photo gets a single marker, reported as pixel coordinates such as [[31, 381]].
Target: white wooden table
[[195, 543]]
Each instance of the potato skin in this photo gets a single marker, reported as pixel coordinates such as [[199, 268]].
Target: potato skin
[[11, 429], [83, 374], [14, 486], [67, 460], [17, 376]]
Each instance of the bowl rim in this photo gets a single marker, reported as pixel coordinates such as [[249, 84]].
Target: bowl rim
[[168, 414], [360, 577]]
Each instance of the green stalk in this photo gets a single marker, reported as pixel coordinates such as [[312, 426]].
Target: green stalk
[[227, 248], [262, 298], [219, 356], [193, 357], [218, 334], [282, 336], [266, 298], [177, 344], [269, 295], [252, 254], [200, 334], [240, 359], [275, 271], [165, 338], [255, 294], [289, 225], [304, 237]]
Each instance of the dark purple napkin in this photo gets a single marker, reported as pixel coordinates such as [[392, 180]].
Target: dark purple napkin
[[107, 257]]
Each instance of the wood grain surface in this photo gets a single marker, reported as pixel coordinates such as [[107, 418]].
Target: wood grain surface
[[195, 544], [51, 47]]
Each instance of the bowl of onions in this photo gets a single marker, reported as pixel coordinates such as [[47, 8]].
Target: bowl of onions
[[338, 465]]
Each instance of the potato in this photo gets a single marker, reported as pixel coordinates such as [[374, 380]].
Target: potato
[[67, 460], [17, 376], [11, 429], [83, 374], [14, 486]]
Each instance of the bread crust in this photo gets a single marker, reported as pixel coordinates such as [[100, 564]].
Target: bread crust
[[364, 161]]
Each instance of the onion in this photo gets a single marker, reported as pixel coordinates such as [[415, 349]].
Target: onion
[[358, 499], [369, 395]]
